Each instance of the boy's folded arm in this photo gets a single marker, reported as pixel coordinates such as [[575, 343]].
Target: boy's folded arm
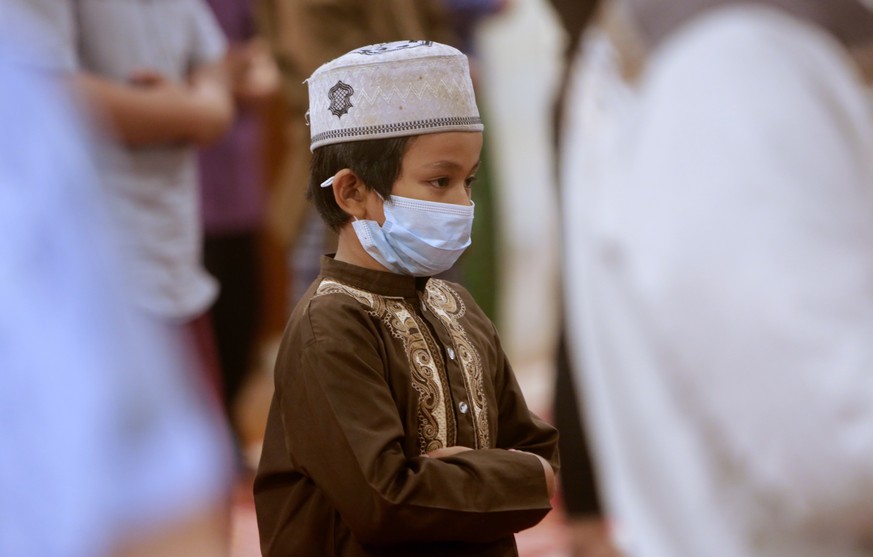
[[352, 449]]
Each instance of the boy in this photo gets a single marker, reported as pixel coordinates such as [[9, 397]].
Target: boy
[[397, 426]]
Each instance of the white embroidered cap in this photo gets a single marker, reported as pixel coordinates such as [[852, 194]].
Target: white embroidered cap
[[391, 90]]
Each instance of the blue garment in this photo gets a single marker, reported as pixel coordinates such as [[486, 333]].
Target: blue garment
[[232, 193], [99, 434]]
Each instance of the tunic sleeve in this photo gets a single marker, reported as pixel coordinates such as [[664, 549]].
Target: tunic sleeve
[[343, 430]]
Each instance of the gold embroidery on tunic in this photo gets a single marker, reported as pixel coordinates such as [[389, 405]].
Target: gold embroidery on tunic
[[447, 305], [436, 426]]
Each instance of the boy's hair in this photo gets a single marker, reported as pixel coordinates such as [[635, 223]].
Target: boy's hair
[[376, 162]]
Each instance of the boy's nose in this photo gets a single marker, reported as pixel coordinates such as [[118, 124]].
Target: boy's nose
[[460, 196]]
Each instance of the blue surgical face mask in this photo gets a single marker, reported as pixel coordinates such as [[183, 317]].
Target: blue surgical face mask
[[418, 238]]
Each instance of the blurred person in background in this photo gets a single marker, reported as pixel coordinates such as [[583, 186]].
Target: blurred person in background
[[233, 201], [109, 447], [305, 34], [574, 17], [465, 16], [722, 304], [153, 73], [589, 535]]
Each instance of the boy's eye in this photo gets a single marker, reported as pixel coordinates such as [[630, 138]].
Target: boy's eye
[[469, 182], [440, 182]]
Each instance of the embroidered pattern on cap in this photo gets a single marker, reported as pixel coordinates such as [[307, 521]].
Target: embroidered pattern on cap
[[340, 96]]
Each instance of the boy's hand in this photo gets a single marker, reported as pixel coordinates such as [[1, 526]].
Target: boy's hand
[[447, 451]]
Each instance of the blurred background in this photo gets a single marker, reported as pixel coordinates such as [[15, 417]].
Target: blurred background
[[163, 232], [253, 230]]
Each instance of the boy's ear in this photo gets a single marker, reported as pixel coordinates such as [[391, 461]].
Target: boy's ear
[[350, 193]]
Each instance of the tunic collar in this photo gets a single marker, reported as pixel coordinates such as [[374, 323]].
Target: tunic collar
[[378, 282]]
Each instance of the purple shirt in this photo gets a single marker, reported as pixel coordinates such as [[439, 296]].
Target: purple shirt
[[231, 177]]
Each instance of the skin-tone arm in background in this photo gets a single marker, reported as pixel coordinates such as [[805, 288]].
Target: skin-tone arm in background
[[253, 73], [152, 110]]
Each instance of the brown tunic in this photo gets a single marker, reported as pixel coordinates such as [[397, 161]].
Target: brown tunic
[[375, 370]]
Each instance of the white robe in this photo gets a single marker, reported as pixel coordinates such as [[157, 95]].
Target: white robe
[[720, 255]]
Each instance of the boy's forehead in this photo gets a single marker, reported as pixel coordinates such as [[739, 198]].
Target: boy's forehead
[[449, 151], [393, 89]]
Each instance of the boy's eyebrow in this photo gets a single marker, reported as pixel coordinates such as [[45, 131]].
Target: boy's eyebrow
[[451, 165]]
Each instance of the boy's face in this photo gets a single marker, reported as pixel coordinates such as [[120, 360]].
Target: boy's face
[[436, 167]]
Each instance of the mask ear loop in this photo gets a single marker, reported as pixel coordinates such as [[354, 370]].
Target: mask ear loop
[[329, 182]]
